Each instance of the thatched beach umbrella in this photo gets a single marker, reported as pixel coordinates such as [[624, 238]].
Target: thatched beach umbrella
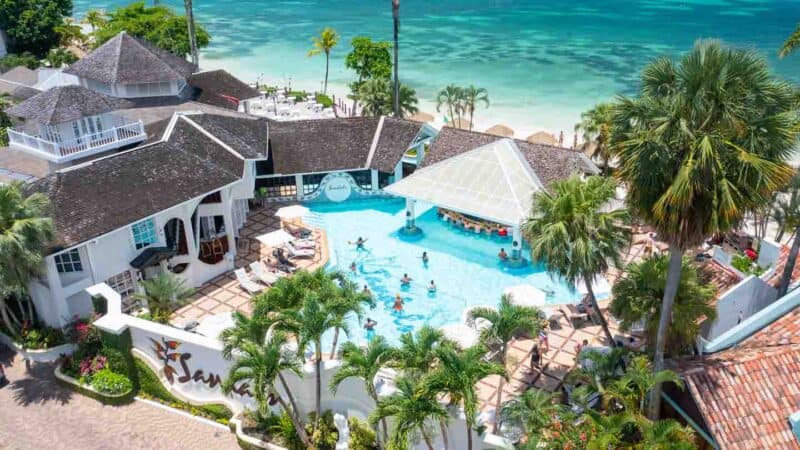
[[501, 130], [463, 124], [421, 116], [542, 137]]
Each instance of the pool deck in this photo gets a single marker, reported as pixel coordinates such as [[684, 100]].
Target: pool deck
[[223, 294]]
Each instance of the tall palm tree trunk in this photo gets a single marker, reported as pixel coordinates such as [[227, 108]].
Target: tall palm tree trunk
[[427, 439], [443, 430], [670, 290], [396, 17], [192, 36], [469, 435], [786, 278], [327, 64], [499, 401], [335, 341], [301, 431], [596, 308], [471, 114], [4, 313], [318, 364], [285, 386]]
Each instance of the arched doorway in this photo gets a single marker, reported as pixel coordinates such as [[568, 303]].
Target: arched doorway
[[175, 234]]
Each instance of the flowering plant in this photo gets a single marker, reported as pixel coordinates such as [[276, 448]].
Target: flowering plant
[[93, 365]]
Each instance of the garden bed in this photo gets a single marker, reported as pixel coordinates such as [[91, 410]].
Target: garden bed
[[50, 354], [87, 390]]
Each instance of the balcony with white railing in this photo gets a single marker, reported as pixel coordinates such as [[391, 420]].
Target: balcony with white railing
[[85, 145]]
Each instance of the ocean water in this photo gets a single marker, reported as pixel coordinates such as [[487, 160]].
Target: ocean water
[[543, 61], [463, 265]]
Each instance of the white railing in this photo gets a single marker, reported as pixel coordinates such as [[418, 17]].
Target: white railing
[[123, 134]]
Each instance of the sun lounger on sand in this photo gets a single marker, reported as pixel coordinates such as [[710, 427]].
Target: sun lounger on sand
[[246, 283]]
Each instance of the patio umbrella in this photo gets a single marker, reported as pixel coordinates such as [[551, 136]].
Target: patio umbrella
[[526, 295], [600, 287], [213, 326], [461, 334], [501, 130], [275, 238], [542, 137], [292, 212]]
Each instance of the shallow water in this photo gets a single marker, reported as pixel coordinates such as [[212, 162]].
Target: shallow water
[[543, 61], [464, 266]]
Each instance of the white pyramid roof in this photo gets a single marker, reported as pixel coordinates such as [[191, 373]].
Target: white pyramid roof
[[493, 182]]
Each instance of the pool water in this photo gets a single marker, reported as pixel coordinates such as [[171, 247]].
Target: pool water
[[463, 265]]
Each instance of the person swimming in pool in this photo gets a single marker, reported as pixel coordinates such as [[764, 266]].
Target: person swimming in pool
[[406, 280], [359, 243], [425, 258], [502, 254], [366, 291], [432, 287], [353, 267], [398, 303]]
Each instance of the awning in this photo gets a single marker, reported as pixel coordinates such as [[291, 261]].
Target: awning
[[493, 182], [151, 256]]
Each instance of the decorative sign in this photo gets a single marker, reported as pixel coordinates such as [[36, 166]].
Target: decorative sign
[[167, 352], [338, 188]]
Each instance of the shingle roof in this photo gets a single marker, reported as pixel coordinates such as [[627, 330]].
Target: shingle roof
[[550, 163], [246, 135], [108, 193], [17, 91], [396, 136], [746, 394], [21, 75], [220, 88], [65, 103], [125, 59]]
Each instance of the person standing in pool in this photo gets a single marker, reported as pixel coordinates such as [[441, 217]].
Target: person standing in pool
[[406, 280], [366, 291], [398, 303], [425, 258], [353, 267], [369, 325], [432, 287]]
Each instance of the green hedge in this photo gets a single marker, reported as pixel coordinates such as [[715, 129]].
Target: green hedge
[[113, 400], [150, 387], [110, 383]]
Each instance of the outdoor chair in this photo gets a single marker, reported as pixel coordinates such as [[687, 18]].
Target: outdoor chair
[[295, 252], [262, 275], [246, 283]]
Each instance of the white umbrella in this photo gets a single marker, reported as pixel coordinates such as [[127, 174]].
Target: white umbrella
[[275, 238], [292, 212], [526, 295], [461, 334], [600, 286], [213, 326]]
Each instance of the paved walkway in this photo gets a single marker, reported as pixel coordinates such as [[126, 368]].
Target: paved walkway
[[38, 413]]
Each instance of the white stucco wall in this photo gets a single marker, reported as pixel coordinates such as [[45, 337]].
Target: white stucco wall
[[748, 297]]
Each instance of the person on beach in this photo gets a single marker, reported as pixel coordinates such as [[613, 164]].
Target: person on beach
[[398, 303], [406, 280], [425, 258], [502, 255], [536, 357], [432, 287]]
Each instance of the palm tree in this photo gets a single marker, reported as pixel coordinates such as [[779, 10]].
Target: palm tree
[[574, 234], [786, 210], [636, 297], [470, 97], [25, 233], [324, 43], [665, 435], [534, 411], [162, 294], [259, 365], [639, 379], [376, 97], [507, 321], [609, 428], [364, 363], [348, 300], [309, 323], [596, 125], [187, 4], [397, 94], [451, 97], [416, 353], [456, 375], [791, 44], [705, 142], [95, 18], [410, 408]]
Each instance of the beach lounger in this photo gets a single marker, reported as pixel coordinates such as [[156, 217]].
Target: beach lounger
[[263, 275], [304, 243], [295, 252], [246, 283], [297, 230], [574, 315]]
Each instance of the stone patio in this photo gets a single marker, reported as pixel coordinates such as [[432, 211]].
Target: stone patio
[[223, 294]]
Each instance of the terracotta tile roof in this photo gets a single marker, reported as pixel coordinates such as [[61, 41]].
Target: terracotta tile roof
[[747, 394], [718, 275], [550, 163], [775, 279], [784, 331]]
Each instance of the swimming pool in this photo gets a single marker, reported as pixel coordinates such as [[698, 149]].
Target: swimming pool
[[463, 265]]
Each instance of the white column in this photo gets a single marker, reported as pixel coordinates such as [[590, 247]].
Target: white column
[[59, 302], [398, 171], [410, 219], [229, 226], [375, 179], [298, 181], [516, 245]]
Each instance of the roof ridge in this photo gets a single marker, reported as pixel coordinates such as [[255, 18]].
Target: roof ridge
[[118, 54], [483, 133]]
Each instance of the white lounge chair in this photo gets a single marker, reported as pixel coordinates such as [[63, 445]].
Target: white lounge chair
[[246, 283], [262, 275], [295, 252], [304, 244]]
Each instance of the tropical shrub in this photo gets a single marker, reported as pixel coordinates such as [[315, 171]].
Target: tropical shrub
[[41, 337], [325, 435], [745, 265], [108, 382], [25, 59], [362, 437], [59, 57], [323, 100]]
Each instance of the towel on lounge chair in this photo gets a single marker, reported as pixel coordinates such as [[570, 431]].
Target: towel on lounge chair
[[299, 252], [262, 275], [246, 283]]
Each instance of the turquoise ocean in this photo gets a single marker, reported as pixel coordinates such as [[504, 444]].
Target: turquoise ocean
[[543, 62]]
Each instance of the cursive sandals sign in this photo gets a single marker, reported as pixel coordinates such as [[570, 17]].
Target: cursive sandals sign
[[167, 352]]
